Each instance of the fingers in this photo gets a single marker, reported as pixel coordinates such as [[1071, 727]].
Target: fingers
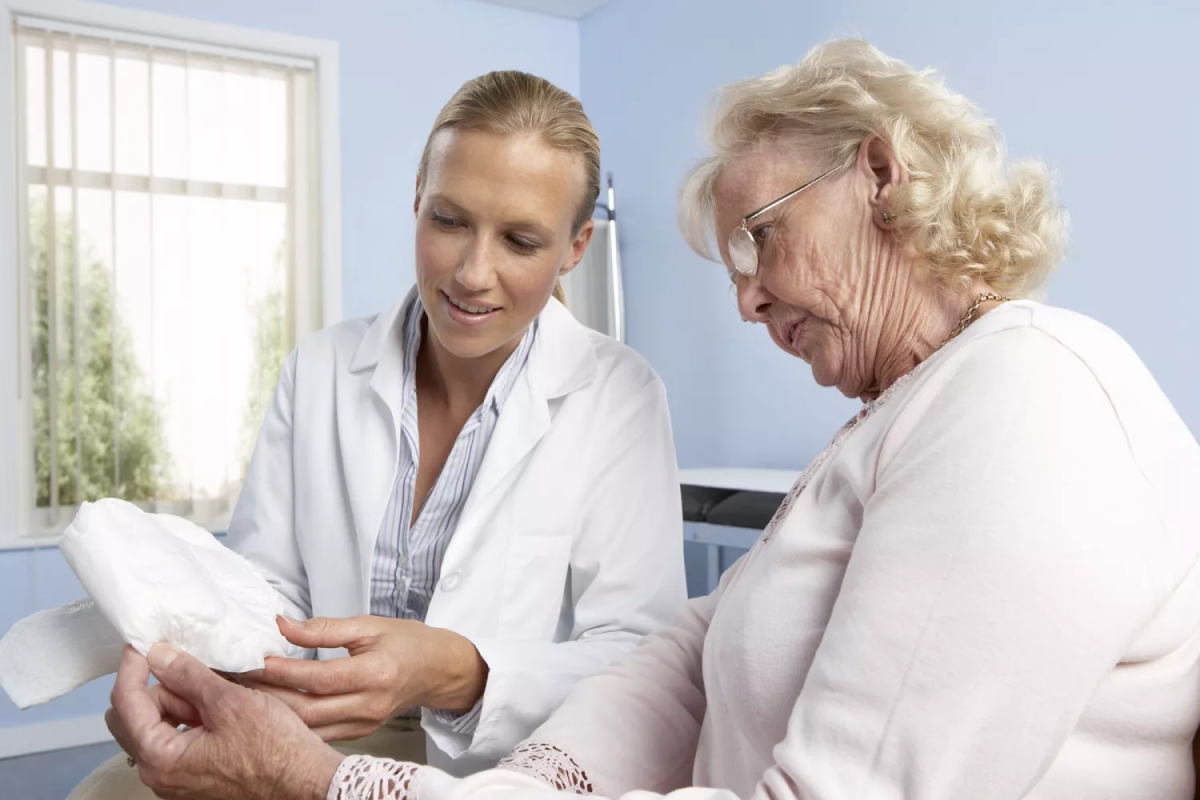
[[133, 672], [138, 723], [187, 678], [118, 731], [318, 711], [346, 731], [289, 697], [328, 632], [337, 676], [175, 709]]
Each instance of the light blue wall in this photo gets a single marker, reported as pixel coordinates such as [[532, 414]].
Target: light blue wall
[[400, 61], [1105, 92]]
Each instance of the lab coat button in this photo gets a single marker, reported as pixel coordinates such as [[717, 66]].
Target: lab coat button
[[451, 582]]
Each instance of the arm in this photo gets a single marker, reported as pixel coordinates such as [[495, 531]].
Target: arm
[[626, 579], [1007, 558], [1009, 554], [634, 725], [262, 528]]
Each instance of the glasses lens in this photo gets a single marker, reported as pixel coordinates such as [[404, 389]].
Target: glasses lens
[[743, 252]]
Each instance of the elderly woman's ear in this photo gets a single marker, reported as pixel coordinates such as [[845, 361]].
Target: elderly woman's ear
[[877, 159]]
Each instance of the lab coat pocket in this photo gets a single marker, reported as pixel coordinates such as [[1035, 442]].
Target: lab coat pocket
[[535, 578]]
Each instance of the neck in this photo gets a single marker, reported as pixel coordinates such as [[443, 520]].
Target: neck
[[460, 384], [922, 319]]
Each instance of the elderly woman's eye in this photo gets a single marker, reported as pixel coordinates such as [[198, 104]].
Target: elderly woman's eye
[[761, 234]]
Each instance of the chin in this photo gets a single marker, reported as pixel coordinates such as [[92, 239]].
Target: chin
[[460, 343], [823, 380], [823, 375]]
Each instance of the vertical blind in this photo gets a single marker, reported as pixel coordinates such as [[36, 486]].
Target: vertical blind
[[169, 241]]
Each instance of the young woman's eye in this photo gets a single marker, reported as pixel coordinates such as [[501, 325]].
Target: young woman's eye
[[523, 245], [443, 221]]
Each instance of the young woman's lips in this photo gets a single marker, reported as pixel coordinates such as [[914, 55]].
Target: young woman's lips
[[464, 317]]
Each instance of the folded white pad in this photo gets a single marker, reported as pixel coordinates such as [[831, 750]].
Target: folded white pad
[[153, 578]]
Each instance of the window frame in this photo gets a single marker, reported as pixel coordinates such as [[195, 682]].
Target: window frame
[[17, 526]]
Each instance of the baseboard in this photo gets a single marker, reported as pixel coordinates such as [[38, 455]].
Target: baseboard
[[46, 737]]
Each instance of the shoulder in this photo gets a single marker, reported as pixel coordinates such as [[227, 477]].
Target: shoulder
[[1022, 371], [330, 348], [621, 368], [1028, 349], [575, 359], [1026, 381]]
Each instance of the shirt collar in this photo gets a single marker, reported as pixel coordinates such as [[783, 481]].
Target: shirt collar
[[502, 384]]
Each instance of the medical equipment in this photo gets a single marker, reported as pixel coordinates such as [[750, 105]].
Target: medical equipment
[[595, 289], [727, 509]]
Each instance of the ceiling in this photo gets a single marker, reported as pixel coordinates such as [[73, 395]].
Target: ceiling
[[571, 9]]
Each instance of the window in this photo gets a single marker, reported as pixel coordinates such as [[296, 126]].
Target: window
[[169, 255]]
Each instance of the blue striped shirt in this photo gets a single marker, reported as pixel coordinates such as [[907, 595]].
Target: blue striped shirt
[[408, 554]]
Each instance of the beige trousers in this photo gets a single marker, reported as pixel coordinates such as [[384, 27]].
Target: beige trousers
[[401, 739]]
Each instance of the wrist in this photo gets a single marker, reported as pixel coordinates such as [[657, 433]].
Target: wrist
[[315, 775], [464, 674]]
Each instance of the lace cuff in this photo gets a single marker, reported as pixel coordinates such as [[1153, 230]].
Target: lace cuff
[[369, 778], [548, 764]]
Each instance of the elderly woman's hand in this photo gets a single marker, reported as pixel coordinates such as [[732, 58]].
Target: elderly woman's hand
[[245, 744]]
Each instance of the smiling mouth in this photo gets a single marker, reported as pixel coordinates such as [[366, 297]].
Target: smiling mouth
[[469, 308]]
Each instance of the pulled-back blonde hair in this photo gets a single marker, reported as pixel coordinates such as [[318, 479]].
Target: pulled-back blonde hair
[[512, 102], [966, 213]]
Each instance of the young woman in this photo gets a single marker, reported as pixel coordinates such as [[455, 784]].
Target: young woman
[[472, 493]]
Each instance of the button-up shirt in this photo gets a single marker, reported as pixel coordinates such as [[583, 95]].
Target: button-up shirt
[[408, 552]]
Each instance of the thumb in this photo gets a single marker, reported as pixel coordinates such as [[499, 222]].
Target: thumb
[[187, 677], [328, 632]]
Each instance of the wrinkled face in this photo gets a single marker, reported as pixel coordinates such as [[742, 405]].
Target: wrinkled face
[[495, 218], [817, 253]]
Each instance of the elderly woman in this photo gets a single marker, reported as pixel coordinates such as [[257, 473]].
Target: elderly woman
[[986, 587]]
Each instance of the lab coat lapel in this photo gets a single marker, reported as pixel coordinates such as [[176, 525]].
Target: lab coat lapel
[[523, 422], [561, 361], [370, 434]]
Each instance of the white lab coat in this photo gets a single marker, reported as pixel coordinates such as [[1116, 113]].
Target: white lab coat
[[569, 548]]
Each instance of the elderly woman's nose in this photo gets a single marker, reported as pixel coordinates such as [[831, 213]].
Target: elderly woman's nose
[[754, 302]]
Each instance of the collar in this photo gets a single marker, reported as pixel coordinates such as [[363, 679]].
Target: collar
[[561, 360]]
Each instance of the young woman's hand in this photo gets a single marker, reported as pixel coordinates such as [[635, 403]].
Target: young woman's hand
[[244, 744], [394, 665]]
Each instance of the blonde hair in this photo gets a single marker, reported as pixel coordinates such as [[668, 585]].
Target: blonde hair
[[512, 102], [964, 212]]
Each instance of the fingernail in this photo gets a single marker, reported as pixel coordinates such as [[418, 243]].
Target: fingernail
[[161, 656], [291, 621]]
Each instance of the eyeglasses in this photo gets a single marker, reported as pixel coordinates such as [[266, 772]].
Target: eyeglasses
[[743, 247]]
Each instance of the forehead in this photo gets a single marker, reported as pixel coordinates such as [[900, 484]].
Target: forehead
[[755, 178], [759, 176], [510, 175]]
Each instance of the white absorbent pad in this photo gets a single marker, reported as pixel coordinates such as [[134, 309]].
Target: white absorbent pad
[[152, 578]]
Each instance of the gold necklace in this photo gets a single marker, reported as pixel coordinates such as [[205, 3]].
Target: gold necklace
[[962, 325], [969, 317]]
